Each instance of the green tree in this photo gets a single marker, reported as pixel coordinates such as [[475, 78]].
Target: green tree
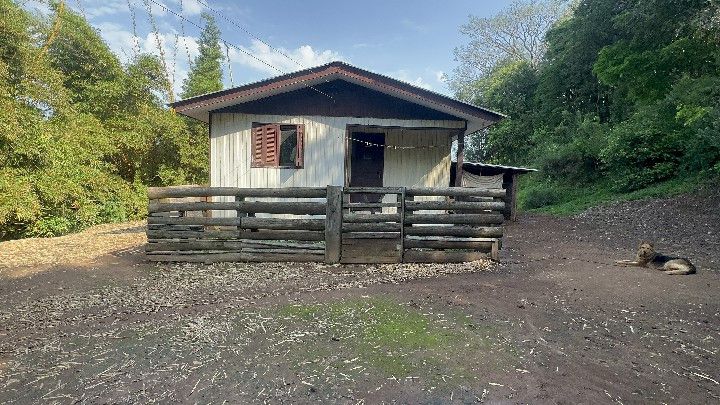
[[206, 71], [515, 34], [510, 89]]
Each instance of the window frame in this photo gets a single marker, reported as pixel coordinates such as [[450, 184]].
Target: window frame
[[261, 159]]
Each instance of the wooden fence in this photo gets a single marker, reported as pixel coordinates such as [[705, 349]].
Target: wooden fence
[[329, 224]]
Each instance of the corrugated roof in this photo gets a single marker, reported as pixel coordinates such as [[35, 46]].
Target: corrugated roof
[[199, 106]]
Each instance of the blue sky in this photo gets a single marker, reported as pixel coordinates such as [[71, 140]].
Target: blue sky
[[408, 40]]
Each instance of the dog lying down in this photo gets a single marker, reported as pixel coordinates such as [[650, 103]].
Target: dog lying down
[[648, 257]]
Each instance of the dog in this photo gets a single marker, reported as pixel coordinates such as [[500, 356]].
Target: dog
[[648, 257]]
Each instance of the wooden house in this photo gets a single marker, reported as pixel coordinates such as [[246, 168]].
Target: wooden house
[[334, 124]]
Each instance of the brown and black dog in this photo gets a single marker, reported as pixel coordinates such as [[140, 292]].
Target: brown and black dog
[[648, 257]]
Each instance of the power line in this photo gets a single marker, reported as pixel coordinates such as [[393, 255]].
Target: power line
[[185, 40], [238, 48], [245, 30], [158, 43], [227, 57]]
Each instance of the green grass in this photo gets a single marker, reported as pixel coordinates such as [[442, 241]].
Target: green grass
[[565, 200], [398, 341]]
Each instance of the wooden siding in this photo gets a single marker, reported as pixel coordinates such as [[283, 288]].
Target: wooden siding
[[426, 165], [325, 151]]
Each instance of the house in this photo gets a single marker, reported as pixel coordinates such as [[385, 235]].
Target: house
[[334, 124]]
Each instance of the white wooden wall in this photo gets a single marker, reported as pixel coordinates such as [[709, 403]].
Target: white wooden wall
[[325, 151]]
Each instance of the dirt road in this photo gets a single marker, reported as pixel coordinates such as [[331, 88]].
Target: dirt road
[[554, 323]]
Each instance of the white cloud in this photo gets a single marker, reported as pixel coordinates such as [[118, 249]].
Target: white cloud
[[305, 56], [94, 9], [175, 53], [405, 76], [439, 76], [192, 7]]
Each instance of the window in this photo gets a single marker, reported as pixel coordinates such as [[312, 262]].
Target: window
[[277, 145]]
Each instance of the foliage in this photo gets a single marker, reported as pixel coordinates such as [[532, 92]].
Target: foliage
[[205, 72], [513, 35], [81, 135], [626, 96]]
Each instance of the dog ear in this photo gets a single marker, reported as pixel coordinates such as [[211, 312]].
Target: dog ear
[[646, 242]]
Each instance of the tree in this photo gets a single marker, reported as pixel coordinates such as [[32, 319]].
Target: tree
[[510, 89], [206, 71], [515, 34], [567, 81]]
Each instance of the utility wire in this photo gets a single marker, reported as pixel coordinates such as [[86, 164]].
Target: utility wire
[[245, 30], [238, 48]]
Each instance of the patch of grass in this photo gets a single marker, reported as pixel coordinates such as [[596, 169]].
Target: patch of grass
[[537, 196], [399, 341]]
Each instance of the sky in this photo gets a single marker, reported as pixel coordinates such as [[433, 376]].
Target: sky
[[408, 40]]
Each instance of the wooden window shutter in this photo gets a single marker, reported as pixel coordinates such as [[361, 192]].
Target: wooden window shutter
[[271, 145], [300, 156], [265, 139]]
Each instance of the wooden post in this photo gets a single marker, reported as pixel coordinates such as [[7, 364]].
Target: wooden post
[[513, 197], [460, 159], [333, 224], [401, 208], [239, 213]]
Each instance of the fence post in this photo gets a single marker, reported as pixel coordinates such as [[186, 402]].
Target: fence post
[[333, 224], [401, 211]]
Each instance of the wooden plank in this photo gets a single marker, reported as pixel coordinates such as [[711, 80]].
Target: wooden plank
[[222, 221], [462, 231], [234, 245], [284, 235], [349, 236], [189, 191], [370, 218], [455, 191], [192, 245], [418, 256], [235, 257], [371, 251], [371, 227], [493, 218], [266, 207], [205, 235], [369, 205], [479, 246], [235, 235], [453, 206], [494, 251], [373, 190], [333, 224], [283, 224]]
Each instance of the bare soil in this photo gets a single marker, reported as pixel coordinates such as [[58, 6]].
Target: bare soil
[[554, 322]]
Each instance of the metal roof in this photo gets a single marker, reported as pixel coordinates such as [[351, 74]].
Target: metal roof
[[198, 107]]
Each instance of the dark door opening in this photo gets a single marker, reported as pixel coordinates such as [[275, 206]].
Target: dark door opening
[[367, 161]]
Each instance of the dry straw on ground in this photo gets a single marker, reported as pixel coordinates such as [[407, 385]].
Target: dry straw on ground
[[26, 256]]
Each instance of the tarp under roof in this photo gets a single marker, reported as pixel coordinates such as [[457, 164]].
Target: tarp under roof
[[512, 169]]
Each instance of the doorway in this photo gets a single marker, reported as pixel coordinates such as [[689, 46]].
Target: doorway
[[367, 162]]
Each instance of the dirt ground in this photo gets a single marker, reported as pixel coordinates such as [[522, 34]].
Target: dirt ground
[[555, 322]]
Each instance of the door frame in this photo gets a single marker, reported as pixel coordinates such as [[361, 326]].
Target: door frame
[[349, 130]]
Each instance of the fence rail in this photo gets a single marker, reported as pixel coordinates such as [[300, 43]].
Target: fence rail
[[311, 224]]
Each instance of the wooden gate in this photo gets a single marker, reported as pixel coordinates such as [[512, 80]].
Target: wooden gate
[[324, 224]]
